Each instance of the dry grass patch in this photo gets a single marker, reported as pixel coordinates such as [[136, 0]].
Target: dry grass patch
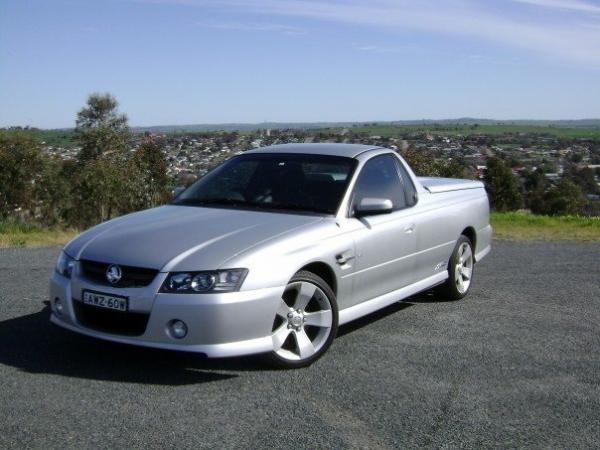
[[14, 234], [523, 226]]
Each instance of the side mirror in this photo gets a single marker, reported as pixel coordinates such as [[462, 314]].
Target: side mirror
[[373, 206], [178, 190]]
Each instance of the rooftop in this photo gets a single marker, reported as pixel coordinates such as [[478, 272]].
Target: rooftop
[[347, 150]]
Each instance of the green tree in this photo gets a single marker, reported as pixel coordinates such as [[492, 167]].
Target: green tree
[[535, 184], [97, 191], [53, 192], [21, 160], [564, 198], [585, 178], [100, 129], [502, 186], [147, 183], [454, 168], [100, 188], [535, 180], [421, 162]]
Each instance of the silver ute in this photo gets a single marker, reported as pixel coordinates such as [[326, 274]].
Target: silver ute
[[271, 251]]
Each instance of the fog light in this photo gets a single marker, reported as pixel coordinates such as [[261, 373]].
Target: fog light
[[58, 306], [178, 329]]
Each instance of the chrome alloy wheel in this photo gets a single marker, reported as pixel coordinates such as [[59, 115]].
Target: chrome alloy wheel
[[464, 268], [303, 322]]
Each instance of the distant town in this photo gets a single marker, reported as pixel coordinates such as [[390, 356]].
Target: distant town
[[552, 151]]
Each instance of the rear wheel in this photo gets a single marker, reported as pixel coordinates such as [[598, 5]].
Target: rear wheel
[[305, 323], [460, 270]]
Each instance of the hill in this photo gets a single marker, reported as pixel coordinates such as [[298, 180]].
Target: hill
[[574, 129], [191, 128]]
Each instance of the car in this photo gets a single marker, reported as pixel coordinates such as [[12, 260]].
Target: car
[[271, 251]]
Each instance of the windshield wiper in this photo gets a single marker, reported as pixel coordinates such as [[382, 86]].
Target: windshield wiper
[[223, 201], [296, 207], [211, 201], [244, 203]]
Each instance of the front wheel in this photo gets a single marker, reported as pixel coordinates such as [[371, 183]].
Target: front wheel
[[460, 270], [305, 323]]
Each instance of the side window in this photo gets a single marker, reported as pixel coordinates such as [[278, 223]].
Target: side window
[[379, 178], [410, 193]]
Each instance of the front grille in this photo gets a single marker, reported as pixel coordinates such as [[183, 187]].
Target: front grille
[[109, 321], [131, 276]]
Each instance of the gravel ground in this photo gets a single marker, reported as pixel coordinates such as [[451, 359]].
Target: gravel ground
[[515, 364]]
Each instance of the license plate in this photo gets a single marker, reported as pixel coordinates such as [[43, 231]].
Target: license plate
[[105, 300]]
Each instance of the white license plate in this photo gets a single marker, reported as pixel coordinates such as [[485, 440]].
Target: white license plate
[[105, 301]]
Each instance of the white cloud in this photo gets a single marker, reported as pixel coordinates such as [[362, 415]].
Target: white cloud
[[574, 5], [248, 26], [383, 49], [575, 40]]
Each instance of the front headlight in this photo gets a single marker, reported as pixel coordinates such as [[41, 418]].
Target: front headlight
[[206, 281], [64, 265]]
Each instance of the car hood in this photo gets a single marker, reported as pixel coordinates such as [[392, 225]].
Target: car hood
[[183, 238]]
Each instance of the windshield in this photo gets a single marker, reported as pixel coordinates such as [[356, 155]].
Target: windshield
[[270, 181]]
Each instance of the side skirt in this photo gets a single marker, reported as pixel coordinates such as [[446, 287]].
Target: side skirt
[[364, 308], [483, 253]]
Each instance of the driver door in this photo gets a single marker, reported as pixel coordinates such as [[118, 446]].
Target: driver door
[[385, 244]]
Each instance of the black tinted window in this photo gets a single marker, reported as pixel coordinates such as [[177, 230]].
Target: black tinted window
[[379, 179], [410, 193], [298, 182]]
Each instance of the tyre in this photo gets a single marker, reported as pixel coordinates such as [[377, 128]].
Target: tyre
[[305, 323], [460, 270]]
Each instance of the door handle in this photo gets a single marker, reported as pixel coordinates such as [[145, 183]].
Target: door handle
[[343, 259], [409, 228]]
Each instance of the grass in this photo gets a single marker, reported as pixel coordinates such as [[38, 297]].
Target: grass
[[522, 226], [55, 138], [14, 234], [513, 226]]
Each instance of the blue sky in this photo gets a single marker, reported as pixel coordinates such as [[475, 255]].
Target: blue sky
[[220, 61]]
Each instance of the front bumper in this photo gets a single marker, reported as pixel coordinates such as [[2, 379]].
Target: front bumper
[[219, 325]]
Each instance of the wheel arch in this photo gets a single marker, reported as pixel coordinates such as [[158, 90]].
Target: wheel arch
[[324, 271], [472, 235]]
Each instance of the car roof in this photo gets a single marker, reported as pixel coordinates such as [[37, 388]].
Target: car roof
[[347, 150]]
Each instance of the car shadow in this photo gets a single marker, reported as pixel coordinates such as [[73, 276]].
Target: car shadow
[[371, 318], [423, 297], [431, 296], [34, 345]]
